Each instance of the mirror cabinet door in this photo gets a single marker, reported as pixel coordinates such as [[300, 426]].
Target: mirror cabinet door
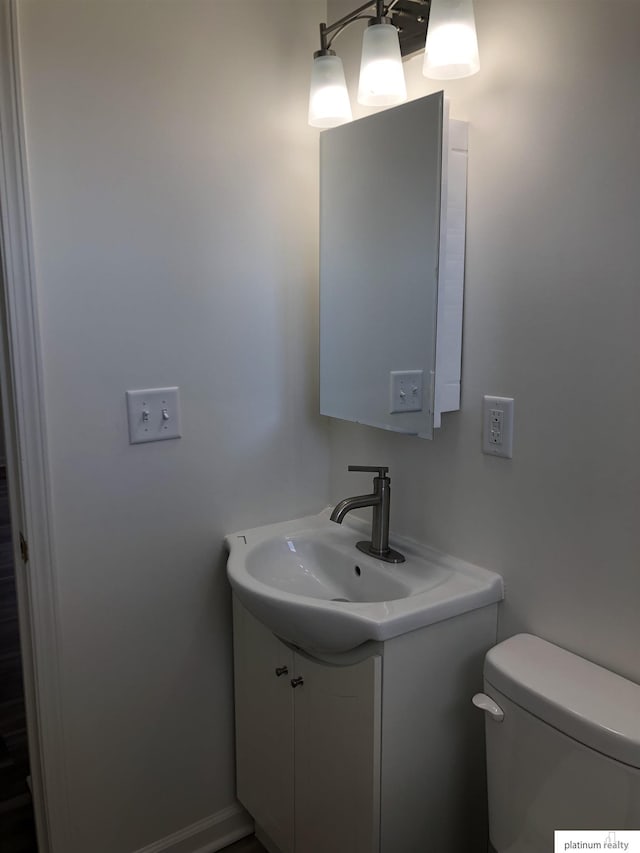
[[380, 188]]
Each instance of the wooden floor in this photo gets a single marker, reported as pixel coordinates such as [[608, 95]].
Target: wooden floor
[[17, 832]]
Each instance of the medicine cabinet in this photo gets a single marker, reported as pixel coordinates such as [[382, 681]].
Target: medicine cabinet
[[392, 239]]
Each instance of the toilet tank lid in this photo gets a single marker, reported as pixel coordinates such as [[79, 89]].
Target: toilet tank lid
[[577, 697]]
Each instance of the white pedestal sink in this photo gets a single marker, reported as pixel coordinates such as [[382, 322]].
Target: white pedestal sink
[[307, 582]]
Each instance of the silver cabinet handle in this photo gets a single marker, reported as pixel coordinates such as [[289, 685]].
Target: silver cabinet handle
[[282, 670], [486, 704], [297, 682]]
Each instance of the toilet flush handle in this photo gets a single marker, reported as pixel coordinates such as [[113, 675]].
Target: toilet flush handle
[[486, 703]]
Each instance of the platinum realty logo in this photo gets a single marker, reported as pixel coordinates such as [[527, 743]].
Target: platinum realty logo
[[597, 839]]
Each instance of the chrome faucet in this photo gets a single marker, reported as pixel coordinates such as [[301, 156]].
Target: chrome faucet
[[380, 500]]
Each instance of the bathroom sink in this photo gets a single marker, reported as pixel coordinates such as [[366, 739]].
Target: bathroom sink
[[307, 582]]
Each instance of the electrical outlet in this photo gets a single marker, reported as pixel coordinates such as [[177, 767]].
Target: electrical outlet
[[406, 391], [497, 426]]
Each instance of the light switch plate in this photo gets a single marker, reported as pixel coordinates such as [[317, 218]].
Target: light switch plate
[[405, 389], [497, 426], [154, 414]]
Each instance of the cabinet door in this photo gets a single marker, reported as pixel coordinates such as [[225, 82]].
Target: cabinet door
[[337, 757], [264, 727]]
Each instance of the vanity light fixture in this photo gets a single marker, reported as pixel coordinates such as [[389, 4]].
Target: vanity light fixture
[[395, 29], [381, 75], [451, 50], [328, 99]]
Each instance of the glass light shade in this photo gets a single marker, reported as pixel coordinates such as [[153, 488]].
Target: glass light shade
[[381, 73], [451, 50], [328, 97]]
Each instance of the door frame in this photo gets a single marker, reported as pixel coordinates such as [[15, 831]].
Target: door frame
[[21, 381]]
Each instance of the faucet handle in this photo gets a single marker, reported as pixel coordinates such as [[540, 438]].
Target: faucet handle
[[380, 470]]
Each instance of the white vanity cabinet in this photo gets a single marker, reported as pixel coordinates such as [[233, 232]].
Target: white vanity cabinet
[[378, 750], [353, 682], [307, 756], [264, 729]]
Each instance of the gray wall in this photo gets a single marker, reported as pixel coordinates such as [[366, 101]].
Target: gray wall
[[551, 318], [174, 196]]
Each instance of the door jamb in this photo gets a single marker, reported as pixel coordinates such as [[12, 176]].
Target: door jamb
[[27, 460]]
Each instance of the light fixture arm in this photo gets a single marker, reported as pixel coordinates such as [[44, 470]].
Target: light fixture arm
[[338, 26]]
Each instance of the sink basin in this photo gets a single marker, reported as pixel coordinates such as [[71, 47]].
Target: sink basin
[[307, 582]]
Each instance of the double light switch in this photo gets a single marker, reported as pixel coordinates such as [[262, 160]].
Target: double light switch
[[405, 391], [154, 414]]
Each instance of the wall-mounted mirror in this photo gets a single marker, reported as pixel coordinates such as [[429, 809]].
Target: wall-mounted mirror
[[392, 225]]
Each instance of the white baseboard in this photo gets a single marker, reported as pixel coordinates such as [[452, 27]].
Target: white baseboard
[[207, 835]]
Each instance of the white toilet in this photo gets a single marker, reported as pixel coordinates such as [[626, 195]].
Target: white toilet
[[563, 745]]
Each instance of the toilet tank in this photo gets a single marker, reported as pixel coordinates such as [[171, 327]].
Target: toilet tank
[[566, 754]]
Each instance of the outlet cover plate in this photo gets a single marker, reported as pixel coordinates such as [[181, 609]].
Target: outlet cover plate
[[497, 426], [154, 414]]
